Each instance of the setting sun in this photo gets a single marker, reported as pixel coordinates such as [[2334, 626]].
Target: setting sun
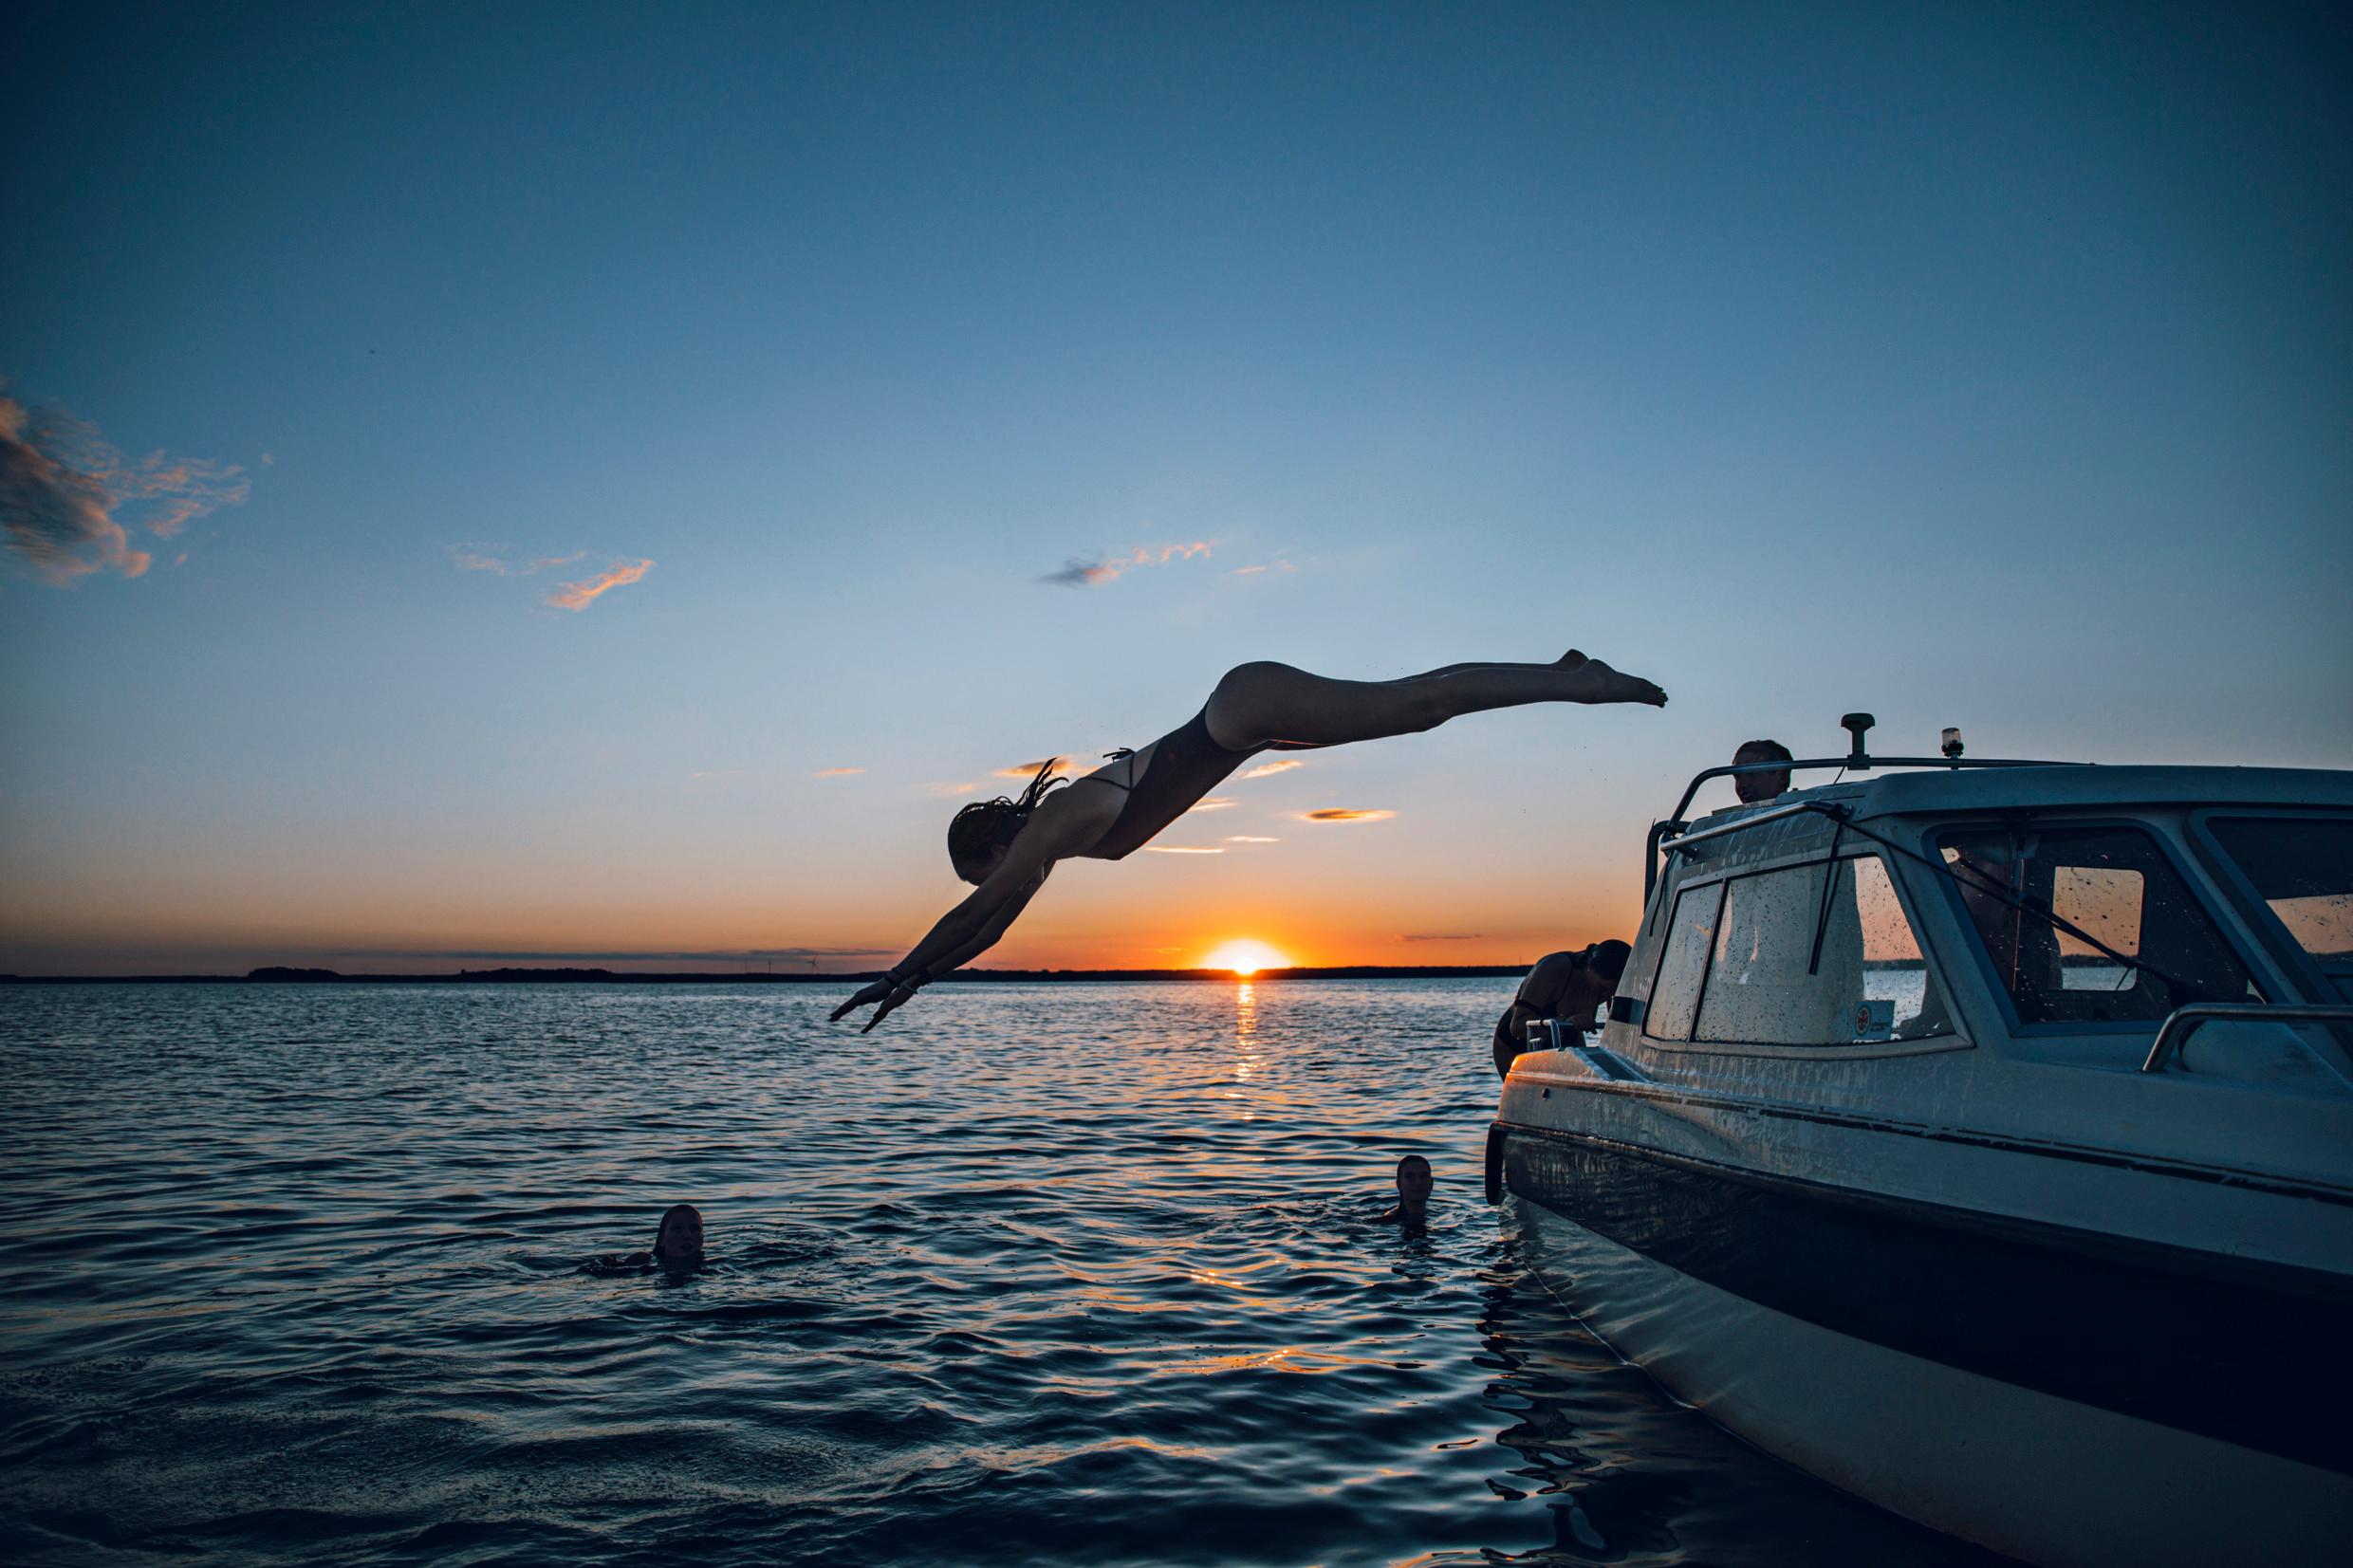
[[1245, 957]]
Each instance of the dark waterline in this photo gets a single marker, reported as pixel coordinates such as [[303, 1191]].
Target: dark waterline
[[1036, 1274]]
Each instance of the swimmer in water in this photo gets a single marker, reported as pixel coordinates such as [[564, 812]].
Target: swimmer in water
[[1005, 847], [1413, 1182], [677, 1245]]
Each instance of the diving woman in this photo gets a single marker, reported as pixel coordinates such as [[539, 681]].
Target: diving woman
[[1006, 847]]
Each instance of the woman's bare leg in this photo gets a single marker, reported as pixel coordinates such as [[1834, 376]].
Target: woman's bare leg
[[1265, 703]]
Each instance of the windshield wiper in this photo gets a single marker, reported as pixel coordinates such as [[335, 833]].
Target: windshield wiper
[[2178, 991]]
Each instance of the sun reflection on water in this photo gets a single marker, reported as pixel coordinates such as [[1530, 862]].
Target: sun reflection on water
[[1247, 1059]]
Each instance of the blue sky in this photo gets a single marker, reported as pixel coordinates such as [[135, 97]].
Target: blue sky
[[1991, 369]]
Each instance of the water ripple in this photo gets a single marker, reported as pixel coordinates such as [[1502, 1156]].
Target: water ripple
[[1040, 1273]]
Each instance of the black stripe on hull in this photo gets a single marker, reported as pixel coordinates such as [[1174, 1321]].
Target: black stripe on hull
[[2251, 1353]]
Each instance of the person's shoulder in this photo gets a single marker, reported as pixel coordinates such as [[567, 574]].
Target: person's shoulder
[[1547, 974]]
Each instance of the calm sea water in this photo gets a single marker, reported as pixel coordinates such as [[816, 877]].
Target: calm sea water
[[1084, 1274]]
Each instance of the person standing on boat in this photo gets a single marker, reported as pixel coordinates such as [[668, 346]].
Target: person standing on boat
[[1755, 787], [1006, 847], [1570, 986]]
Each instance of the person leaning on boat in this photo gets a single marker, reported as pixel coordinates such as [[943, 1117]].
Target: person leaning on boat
[[1570, 986]]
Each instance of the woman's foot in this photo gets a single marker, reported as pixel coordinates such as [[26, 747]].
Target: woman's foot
[[1597, 682]]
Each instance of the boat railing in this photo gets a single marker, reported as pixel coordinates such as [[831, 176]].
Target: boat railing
[[1858, 759], [2184, 1021]]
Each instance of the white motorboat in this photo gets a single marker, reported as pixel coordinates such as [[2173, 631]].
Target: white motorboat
[[1977, 1136]]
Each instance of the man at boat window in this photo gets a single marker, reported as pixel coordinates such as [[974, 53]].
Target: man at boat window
[[1753, 789], [1570, 986]]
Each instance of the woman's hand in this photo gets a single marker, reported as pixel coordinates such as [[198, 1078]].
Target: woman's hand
[[889, 992]]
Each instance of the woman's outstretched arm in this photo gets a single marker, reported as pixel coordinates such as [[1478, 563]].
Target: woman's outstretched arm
[[974, 926]]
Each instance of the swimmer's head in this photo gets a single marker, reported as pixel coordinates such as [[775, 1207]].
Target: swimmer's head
[[1413, 1182], [679, 1241], [980, 834], [1752, 787]]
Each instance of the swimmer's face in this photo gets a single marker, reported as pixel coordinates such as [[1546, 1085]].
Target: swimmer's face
[[1413, 1180], [680, 1238]]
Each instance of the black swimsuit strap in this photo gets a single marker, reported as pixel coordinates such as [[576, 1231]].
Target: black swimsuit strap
[[1187, 762]]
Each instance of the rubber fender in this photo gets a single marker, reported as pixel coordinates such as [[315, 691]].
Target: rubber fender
[[1494, 1163]]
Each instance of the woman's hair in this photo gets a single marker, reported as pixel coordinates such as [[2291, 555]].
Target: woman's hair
[[984, 825]]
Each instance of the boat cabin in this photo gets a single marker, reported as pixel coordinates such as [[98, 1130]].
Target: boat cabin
[[2141, 919]]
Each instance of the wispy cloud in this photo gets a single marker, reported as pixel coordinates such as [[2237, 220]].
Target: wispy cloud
[[1210, 802], [1029, 770], [1079, 573], [1440, 937], [66, 495], [1344, 814], [1262, 568], [1251, 839], [578, 596], [1180, 849], [702, 773], [489, 557], [950, 790], [838, 772], [1281, 764]]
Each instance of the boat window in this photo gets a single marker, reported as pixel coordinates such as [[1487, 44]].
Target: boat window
[[1817, 954], [1683, 963], [2115, 885], [2304, 870]]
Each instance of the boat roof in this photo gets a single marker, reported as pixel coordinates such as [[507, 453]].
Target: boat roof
[[1941, 790]]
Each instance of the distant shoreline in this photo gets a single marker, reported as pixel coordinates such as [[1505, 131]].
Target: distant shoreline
[[277, 975]]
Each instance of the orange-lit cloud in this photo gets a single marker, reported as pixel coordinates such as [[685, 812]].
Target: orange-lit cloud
[[1251, 839], [1210, 802], [950, 790], [578, 596], [467, 559], [61, 487], [1093, 574], [1029, 770], [1441, 937], [1178, 849], [1343, 814], [1281, 764], [838, 772]]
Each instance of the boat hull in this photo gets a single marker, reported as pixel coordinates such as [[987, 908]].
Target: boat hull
[[2056, 1396]]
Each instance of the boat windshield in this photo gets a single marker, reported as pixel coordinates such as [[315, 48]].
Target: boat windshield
[[2303, 868], [2110, 884]]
